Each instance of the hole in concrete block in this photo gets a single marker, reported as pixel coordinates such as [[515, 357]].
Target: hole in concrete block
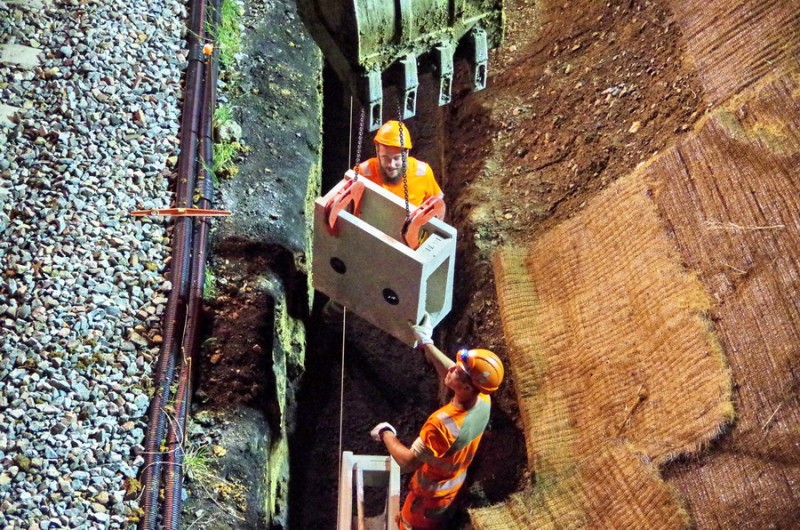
[[391, 296], [338, 265]]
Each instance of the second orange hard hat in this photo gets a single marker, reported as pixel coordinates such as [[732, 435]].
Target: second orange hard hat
[[484, 368]]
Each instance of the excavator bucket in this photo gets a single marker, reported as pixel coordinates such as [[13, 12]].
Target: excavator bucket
[[370, 43]]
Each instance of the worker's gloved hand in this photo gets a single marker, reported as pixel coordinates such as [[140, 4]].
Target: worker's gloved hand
[[423, 330], [376, 431]]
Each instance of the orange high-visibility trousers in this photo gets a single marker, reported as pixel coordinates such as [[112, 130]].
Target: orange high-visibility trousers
[[424, 513]]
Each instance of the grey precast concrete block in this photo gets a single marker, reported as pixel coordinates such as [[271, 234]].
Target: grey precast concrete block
[[363, 263]]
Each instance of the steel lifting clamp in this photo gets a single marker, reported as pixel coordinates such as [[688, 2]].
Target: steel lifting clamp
[[432, 207], [182, 212], [350, 193]]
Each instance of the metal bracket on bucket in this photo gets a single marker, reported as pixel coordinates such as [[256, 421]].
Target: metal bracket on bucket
[[444, 69], [410, 85], [374, 97], [480, 59]]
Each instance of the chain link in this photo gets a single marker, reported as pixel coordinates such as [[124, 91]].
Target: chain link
[[357, 167], [404, 154]]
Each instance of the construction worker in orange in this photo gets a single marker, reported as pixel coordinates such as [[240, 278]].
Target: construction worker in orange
[[392, 142], [444, 449], [386, 168]]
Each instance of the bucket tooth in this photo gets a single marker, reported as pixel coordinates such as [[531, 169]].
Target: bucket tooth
[[374, 98], [410, 85], [444, 70], [480, 59]]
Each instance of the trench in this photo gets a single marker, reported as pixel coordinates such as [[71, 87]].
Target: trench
[[383, 379], [539, 132], [270, 369]]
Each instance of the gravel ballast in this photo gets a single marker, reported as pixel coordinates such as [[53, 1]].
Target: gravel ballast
[[82, 285]]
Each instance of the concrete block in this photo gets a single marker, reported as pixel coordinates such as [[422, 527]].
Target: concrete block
[[19, 55], [367, 470], [366, 267]]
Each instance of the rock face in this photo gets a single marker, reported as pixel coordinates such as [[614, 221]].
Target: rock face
[[257, 317]]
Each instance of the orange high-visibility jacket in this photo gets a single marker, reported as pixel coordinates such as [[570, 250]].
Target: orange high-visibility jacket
[[421, 183], [446, 445]]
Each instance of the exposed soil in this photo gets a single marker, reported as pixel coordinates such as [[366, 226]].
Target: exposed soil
[[579, 94], [578, 102], [571, 105]]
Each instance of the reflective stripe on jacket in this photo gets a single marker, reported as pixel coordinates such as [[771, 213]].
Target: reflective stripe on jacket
[[446, 445], [421, 182]]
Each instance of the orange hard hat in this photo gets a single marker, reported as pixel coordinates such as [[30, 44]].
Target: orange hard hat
[[483, 367], [389, 134]]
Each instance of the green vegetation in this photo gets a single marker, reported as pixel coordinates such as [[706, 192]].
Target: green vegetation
[[209, 285], [229, 35], [228, 147], [197, 462], [222, 115], [227, 38], [225, 154]]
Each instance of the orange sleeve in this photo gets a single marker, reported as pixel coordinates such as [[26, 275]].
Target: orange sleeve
[[433, 186], [435, 437]]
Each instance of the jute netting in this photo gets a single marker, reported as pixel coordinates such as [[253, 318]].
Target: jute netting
[[614, 487], [608, 340], [732, 194], [734, 44], [601, 317]]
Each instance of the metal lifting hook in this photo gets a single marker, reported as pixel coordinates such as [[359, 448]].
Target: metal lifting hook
[[432, 207], [350, 194]]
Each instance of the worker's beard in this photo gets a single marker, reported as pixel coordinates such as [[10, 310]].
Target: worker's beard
[[391, 177]]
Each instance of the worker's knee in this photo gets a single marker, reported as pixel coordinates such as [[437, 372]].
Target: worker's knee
[[424, 513]]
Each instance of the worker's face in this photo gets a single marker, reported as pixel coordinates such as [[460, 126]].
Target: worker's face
[[457, 379], [390, 161]]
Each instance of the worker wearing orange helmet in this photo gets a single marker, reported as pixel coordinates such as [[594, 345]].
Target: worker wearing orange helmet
[[447, 442], [386, 168]]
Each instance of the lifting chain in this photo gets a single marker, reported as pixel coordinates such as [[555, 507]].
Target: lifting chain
[[357, 167], [404, 154]]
